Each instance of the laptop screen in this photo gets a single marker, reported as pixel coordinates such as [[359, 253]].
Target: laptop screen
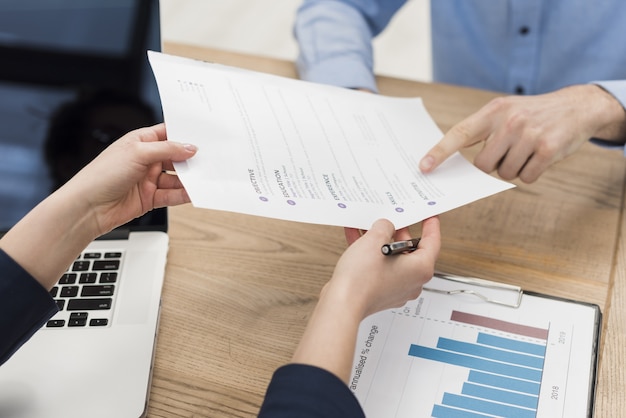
[[74, 77], [75, 26]]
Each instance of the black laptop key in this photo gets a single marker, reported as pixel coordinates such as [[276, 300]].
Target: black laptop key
[[76, 322], [91, 256], [116, 254], [97, 290], [91, 304], [108, 277], [106, 265], [55, 323], [80, 265], [68, 278], [69, 291], [77, 319], [98, 322], [60, 303], [88, 277]]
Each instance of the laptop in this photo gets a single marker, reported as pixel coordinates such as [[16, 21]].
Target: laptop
[[76, 78]]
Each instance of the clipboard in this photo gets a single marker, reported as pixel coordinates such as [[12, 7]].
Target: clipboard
[[468, 345]]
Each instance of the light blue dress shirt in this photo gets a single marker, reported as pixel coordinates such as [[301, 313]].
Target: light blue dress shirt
[[510, 46]]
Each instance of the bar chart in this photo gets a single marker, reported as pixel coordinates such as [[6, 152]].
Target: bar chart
[[504, 374], [451, 357]]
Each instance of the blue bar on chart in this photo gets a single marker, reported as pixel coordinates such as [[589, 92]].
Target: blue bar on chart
[[499, 395], [475, 363], [480, 406], [490, 353], [504, 373], [493, 380], [513, 345]]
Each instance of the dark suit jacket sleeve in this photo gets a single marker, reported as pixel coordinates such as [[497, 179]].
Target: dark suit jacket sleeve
[[303, 391], [25, 306]]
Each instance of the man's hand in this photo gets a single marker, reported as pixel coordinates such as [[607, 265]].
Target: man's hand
[[524, 135]]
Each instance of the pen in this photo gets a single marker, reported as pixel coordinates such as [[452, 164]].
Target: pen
[[399, 247]]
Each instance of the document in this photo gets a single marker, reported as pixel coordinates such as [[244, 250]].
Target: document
[[457, 355], [288, 149]]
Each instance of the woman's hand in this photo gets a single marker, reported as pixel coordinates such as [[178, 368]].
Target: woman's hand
[[380, 282], [125, 181], [364, 282], [129, 178]]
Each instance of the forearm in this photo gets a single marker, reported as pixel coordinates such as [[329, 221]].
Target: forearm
[[335, 40], [330, 337], [334, 45], [49, 238]]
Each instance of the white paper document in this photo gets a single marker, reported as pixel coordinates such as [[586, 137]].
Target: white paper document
[[288, 149]]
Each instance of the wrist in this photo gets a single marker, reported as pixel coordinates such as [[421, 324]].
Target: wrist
[[606, 114], [330, 336], [343, 300], [77, 215], [63, 222]]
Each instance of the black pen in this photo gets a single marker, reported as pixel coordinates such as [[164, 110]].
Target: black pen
[[400, 247]]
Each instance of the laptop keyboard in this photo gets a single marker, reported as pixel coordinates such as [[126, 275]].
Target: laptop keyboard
[[86, 291]]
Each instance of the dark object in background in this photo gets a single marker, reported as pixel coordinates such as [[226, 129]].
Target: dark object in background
[[79, 130], [70, 70]]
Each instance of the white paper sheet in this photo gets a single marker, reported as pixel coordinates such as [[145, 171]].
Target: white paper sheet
[[299, 151]]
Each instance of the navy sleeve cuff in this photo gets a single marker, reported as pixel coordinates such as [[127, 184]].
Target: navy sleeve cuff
[[303, 391], [25, 306]]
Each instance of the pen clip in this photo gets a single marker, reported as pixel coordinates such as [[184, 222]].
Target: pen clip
[[400, 247]]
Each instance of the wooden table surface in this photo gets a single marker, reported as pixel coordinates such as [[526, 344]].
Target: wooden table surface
[[239, 289]]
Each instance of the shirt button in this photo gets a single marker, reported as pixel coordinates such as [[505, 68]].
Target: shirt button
[[519, 90], [524, 30]]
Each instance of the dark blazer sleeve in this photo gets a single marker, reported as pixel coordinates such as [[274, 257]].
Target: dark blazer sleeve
[[25, 306], [303, 391]]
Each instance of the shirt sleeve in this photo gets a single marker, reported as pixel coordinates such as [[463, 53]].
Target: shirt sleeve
[[617, 88], [335, 40], [25, 306], [303, 391]]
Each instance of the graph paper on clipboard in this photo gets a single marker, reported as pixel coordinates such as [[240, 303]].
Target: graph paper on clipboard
[[476, 348]]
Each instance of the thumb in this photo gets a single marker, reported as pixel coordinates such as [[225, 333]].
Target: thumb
[[182, 152], [167, 151], [382, 229], [430, 242]]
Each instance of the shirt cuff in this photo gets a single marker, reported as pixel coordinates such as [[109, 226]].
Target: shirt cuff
[[25, 306], [304, 391], [616, 88], [332, 71]]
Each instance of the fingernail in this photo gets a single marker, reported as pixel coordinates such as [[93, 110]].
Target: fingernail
[[427, 163], [190, 147]]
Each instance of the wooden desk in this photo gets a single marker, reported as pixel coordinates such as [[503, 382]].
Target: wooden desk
[[239, 289]]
